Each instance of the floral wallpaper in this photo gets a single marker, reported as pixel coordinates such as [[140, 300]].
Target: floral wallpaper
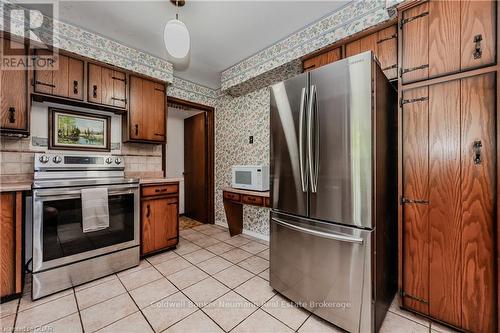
[[191, 91], [353, 17], [77, 40], [237, 118]]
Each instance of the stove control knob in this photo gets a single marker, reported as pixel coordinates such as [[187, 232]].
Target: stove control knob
[[57, 159], [43, 159], [109, 160], [118, 160]]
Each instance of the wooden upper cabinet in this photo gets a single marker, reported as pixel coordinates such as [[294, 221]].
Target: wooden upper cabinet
[[64, 80], [383, 44], [147, 113], [322, 59], [387, 51], [445, 37], [13, 91], [107, 86]]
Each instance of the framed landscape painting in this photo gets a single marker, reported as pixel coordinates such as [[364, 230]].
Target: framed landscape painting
[[71, 130]]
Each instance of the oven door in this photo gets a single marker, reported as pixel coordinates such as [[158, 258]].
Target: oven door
[[58, 237]]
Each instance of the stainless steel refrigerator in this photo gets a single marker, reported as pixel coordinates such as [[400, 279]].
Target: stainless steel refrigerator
[[333, 242]]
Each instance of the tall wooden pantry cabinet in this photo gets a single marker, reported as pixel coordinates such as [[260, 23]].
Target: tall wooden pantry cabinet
[[448, 154]]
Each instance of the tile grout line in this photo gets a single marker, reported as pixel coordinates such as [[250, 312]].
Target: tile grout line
[[78, 310]]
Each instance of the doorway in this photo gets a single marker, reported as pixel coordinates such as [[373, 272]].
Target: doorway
[[189, 156]]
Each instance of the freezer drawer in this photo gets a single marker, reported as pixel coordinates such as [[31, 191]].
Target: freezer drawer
[[325, 268]]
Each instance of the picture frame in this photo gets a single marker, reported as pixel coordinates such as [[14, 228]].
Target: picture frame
[[73, 130]]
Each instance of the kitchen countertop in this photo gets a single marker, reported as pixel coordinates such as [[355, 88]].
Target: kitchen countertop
[[159, 180], [15, 186], [247, 192]]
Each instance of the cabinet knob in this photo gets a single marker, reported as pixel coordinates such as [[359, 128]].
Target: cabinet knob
[[12, 114], [94, 91], [477, 47], [148, 211], [75, 87]]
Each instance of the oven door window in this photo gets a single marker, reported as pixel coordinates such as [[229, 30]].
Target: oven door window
[[62, 227], [243, 177]]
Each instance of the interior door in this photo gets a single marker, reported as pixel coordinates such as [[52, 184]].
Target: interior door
[[289, 182], [195, 167], [341, 141]]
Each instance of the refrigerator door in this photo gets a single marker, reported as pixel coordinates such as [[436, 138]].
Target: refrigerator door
[[289, 180], [340, 141], [325, 268]]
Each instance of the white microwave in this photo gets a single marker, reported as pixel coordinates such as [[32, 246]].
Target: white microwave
[[251, 177]]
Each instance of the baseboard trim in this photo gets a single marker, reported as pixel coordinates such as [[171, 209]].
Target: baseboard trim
[[247, 232]]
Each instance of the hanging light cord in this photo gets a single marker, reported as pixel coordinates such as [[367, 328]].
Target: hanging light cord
[[177, 9]]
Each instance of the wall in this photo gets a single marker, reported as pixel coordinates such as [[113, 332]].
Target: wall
[[16, 155], [236, 118]]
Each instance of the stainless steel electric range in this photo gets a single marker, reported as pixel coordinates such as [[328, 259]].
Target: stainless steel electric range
[[63, 255]]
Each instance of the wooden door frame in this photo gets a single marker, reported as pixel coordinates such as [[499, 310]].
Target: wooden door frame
[[210, 150]]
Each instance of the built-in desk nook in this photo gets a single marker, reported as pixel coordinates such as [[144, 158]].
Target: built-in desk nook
[[234, 199]]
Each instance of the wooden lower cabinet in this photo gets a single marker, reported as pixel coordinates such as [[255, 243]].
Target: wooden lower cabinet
[[11, 269], [159, 217], [449, 211]]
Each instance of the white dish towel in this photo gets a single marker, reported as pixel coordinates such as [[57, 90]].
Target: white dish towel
[[95, 211]]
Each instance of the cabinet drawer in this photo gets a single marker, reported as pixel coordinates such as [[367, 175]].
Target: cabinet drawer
[[232, 196], [147, 191], [253, 200]]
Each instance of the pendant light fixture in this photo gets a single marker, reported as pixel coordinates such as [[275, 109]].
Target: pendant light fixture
[[176, 36]]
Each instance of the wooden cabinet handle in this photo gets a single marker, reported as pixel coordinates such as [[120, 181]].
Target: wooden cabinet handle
[[136, 129], [158, 134], [119, 99], [75, 87], [477, 46], [148, 211], [12, 114], [161, 190], [94, 91], [45, 84]]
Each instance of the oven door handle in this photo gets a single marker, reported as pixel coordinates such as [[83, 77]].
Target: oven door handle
[[59, 193]]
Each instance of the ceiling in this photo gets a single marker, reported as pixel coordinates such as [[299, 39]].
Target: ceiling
[[222, 32]]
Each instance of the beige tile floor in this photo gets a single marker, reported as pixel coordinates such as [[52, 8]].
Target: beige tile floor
[[210, 283]]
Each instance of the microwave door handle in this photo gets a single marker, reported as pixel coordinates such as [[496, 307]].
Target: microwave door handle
[[302, 165]]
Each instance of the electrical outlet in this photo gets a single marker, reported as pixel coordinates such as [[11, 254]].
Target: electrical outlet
[[250, 139]]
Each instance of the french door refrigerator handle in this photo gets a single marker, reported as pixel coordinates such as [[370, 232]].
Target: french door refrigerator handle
[[310, 127], [316, 141], [303, 168], [338, 237]]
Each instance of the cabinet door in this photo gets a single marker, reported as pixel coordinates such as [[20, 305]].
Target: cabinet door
[[147, 226], [13, 91], [478, 118], [119, 89], [166, 212], [147, 124], [159, 112], [60, 76], [445, 213], [478, 33], [329, 57], [10, 243], [106, 87], [310, 64], [444, 37], [387, 51], [94, 83], [415, 188], [43, 77], [75, 78], [415, 43], [136, 107]]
